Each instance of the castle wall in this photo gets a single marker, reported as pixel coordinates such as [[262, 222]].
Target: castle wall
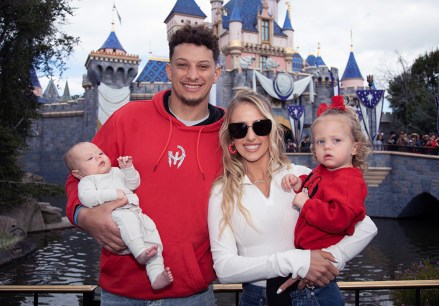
[[61, 125]]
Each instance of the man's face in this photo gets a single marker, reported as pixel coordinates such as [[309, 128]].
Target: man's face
[[192, 72]]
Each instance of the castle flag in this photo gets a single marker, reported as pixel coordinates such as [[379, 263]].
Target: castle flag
[[117, 12]]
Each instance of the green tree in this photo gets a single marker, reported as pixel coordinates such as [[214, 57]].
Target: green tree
[[411, 94], [31, 36]]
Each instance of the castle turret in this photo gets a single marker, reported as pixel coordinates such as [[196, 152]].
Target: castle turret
[[289, 49], [319, 60], [111, 64], [184, 11], [66, 95], [216, 12], [235, 32], [352, 78]]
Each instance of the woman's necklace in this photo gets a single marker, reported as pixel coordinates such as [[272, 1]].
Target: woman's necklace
[[259, 181], [264, 180]]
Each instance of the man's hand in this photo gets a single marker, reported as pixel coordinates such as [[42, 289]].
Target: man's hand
[[321, 270], [97, 221]]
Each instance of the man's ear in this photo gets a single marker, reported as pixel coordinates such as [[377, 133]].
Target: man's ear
[[76, 174]]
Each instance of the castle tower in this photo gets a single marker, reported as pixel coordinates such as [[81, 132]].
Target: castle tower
[[235, 32], [110, 72], [37, 89], [66, 95], [111, 64], [289, 49], [216, 12], [352, 78], [51, 94], [184, 11]]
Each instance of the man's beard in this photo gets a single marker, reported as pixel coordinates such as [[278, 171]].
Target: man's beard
[[192, 101]]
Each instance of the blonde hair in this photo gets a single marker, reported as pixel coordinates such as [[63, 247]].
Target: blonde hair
[[364, 146], [234, 166]]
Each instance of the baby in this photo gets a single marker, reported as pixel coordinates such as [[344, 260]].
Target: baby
[[100, 183]]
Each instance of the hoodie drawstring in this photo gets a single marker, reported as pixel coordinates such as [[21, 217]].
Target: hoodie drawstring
[[166, 145], [198, 158]]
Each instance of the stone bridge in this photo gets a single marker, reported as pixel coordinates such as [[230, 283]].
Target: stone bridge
[[400, 184]]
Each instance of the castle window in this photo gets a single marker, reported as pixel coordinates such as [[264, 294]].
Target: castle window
[[262, 62], [265, 30]]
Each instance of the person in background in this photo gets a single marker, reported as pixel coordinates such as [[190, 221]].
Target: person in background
[[100, 183], [251, 221], [331, 198], [378, 142], [174, 141], [305, 144]]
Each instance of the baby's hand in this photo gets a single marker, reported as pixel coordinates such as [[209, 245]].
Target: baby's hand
[[125, 161], [300, 199], [120, 194], [290, 181]]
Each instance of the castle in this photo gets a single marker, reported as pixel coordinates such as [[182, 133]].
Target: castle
[[256, 52]]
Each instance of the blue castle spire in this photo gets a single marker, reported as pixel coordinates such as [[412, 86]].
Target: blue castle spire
[[112, 42], [352, 71]]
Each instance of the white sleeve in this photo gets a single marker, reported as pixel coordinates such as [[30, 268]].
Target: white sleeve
[[90, 196], [233, 268], [132, 177], [351, 246]]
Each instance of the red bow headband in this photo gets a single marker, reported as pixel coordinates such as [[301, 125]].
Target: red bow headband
[[337, 103]]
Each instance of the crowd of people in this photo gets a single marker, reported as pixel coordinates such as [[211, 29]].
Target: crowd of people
[[407, 142]]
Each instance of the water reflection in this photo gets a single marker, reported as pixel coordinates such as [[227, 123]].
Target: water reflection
[[71, 257]]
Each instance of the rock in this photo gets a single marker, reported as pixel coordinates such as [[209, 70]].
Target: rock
[[20, 249], [7, 224], [51, 214], [28, 216]]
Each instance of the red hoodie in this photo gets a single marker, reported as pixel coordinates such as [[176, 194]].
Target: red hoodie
[[174, 161]]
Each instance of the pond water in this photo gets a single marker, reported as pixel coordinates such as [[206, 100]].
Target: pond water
[[71, 257]]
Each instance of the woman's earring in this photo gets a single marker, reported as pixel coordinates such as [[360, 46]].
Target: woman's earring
[[232, 149]]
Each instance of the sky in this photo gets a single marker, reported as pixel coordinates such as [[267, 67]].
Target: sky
[[380, 31]]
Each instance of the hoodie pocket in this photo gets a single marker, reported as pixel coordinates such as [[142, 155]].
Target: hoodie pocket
[[188, 278]]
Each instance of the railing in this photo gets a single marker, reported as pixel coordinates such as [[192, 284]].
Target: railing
[[410, 149], [356, 286], [88, 290]]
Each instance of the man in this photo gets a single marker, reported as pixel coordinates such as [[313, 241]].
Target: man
[[174, 140]]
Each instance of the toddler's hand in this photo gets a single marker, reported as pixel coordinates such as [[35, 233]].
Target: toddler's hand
[[125, 161], [300, 199], [120, 194], [289, 182]]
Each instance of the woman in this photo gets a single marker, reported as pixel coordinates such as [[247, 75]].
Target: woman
[[251, 221]]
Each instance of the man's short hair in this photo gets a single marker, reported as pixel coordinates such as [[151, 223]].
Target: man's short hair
[[199, 35]]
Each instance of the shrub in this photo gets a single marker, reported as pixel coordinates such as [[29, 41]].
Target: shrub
[[418, 270]]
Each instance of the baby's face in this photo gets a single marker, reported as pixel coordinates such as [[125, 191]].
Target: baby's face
[[89, 159]]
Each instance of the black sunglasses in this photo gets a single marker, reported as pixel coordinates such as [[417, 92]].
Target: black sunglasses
[[260, 127]]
